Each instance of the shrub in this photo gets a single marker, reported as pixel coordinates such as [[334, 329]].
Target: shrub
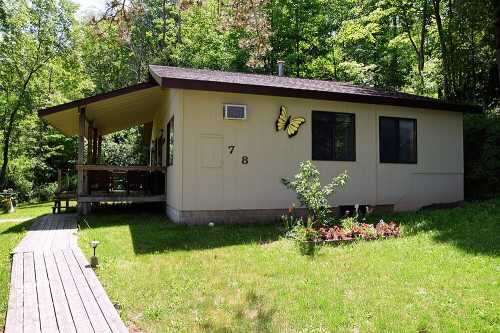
[[45, 192], [482, 154], [311, 195], [305, 236], [348, 223]]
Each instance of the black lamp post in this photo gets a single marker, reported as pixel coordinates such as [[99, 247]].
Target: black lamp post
[[93, 260]]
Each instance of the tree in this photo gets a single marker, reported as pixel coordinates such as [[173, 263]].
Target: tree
[[34, 34]]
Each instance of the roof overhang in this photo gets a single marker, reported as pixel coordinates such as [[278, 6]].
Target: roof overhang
[[172, 77], [110, 112], [123, 108]]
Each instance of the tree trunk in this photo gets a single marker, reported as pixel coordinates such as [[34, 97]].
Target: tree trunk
[[10, 127], [297, 40], [423, 36], [444, 50], [497, 46]]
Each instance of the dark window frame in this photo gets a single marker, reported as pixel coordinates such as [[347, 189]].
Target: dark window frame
[[334, 158], [415, 137], [170, 142]]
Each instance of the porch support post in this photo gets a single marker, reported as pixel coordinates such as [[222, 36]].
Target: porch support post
[[99, 148], [82, 207], [59, 181], [94, 145], [90, 133]]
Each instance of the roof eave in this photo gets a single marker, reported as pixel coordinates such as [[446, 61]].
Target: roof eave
[[96, 98], [313, 94]]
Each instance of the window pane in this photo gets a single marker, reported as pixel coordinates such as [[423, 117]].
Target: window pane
[[322, 141], [333, 136], [170, 142], [344, 137], [407, 145], [398, 140], [388, 140]]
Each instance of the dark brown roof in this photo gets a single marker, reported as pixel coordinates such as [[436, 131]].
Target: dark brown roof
[[200, 79]]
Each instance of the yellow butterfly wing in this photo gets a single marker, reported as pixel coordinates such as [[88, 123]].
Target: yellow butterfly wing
[[282, 119], [293, 128]]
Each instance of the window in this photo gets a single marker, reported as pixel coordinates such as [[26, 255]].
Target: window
[[170, 142], [333, 136], [398, 140]]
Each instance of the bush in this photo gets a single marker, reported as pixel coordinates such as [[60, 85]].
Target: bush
[[304, 235], [311, 194], [20, 177], [482, 154], [45, 192]]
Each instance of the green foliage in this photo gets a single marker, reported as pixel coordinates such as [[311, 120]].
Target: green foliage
[[125, 148], [45, 192], [311, 195], [304, 235], [348, 223], [48, 57], [482, 154]]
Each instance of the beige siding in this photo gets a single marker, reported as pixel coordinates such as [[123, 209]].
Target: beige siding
[[207, 177], [171, 106]]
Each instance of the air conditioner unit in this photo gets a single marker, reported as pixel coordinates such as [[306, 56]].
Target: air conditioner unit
[[235, 112]]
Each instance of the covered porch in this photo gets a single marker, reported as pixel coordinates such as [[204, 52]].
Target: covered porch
[[92, 118]]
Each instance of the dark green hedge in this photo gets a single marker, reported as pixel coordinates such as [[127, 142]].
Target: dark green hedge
[[482, 154]]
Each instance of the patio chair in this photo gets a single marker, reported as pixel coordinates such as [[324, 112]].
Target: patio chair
[[137, 181], [99, 181]]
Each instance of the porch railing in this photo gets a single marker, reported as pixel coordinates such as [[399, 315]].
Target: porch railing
[[134, 180]]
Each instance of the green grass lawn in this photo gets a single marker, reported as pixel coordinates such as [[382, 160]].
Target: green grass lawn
[[10, 235], [32, 210], [442, 276]]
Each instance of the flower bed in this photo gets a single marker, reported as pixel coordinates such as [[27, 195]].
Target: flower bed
[[359, 231]]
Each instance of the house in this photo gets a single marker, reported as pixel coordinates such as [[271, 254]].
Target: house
[[217, 154]]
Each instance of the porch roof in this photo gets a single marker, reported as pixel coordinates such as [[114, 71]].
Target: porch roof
[[110, 112]]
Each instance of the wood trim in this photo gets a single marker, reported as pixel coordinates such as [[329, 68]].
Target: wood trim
[[118, 168], [96, 98], [122, 198]]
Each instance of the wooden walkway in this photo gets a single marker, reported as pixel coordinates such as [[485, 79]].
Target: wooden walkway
[[53, 288]]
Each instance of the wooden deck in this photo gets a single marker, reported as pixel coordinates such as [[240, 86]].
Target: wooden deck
[[53, 288]]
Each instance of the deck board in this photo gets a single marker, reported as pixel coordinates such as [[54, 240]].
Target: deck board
[[100, 295], [31, 319], [48, 321], [15, 311], [61, 306], [53, 289], [80, 317], [89, 302]]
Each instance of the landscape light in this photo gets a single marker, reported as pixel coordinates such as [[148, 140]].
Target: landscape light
[[93, 260]]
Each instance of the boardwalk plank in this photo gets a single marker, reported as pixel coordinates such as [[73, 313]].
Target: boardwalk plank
[[61, 306], [51, 233], [94, 312], [80, 317], [52, 287], [48, 322], [100, 295], [31, 318], [14, 323]]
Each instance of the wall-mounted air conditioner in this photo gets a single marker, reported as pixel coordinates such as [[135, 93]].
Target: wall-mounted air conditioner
[[235, 111]]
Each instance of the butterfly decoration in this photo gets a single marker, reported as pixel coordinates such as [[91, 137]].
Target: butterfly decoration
[[285, 122]]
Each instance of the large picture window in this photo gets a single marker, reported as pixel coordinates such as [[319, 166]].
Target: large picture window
[[170, 142], [333, 136], [398, 140]]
